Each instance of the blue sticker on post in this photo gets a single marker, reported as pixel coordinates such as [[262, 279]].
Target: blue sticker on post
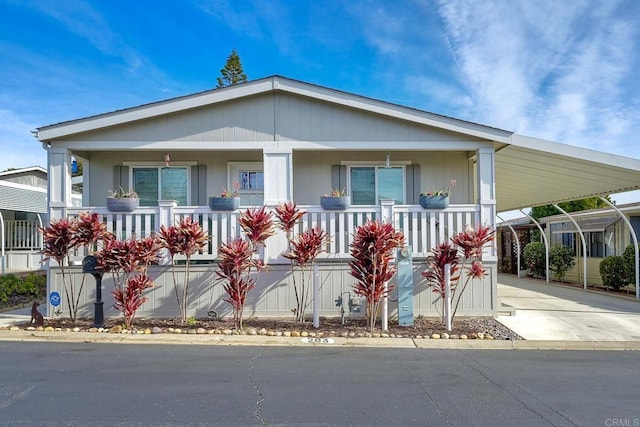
[[54, 299]]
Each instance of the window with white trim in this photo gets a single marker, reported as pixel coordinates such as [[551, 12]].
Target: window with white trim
[[161, 183], [370, 184]]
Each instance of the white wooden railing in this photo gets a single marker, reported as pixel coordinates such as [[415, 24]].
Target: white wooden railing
[[22, 235], [423, 229]]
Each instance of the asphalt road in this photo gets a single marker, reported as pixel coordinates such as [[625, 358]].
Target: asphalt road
[[131, 385]]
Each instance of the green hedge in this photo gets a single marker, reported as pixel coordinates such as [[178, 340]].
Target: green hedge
[[16, 290]]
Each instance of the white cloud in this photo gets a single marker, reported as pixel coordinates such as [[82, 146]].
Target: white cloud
[[19, 148]]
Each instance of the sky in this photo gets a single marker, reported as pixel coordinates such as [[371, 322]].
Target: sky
[[566, 71]]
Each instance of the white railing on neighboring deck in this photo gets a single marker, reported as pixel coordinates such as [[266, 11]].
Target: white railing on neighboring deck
[[423, 229], [22, 235]]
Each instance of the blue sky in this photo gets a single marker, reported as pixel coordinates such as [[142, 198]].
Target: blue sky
[[566, 71]]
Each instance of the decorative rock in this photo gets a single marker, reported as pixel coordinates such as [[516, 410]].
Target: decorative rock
[[49, 329], [295, 333], [463, 337], [352, 334], [177, 331], [384, 335], [454, 337], [252, 331], [116, 329], [192, 332], [262, 331], [418, 337], [392, 335], [435, 336], [201, 331], [170, 330], [271, 333], [31, 328], [14, 328], [76, 329], [147, 331], [156, 330], [368, 335], [93, 329], [304, 334], [287, 333], [480, 335], [488, 337], [217, 331], [242, 332], [344, 334], [278, 333], [376, 335], [445, 336], [212, 331], [360, 335], [312, 334], [226, 332], [473, 336], [320, 334]]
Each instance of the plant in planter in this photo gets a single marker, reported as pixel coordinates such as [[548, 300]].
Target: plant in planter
[[60, 240], [303, 250], [122, 201], [186, 238], [227, 200], [128, 261], [337, 201], [463, 252], [238, 257], [437, 199], [372, 252]]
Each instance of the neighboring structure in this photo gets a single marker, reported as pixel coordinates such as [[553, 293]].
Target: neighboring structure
[[23, 208], [605, 234], [282, 139], [509, 246]]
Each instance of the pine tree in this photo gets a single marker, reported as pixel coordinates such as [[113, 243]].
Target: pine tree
[[232, 73]]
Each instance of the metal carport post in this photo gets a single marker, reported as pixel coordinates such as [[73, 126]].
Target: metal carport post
[[635, 242], [515, 235], [584, 243], [546, 241]]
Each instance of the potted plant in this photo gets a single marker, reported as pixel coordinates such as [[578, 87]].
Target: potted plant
[[122, 201], [437, 199], [227, 200], [337, 201]]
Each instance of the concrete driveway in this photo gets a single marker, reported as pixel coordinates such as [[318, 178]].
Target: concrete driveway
[[554, 312]]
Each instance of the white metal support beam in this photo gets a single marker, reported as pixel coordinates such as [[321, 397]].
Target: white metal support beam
[[546, 241], [584, 244], [635, 243], [515, 235]]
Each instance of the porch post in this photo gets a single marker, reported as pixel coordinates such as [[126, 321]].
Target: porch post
[[278, 188], [59, 177], [486, 194]]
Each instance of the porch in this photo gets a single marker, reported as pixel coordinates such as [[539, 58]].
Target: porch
[[423, 228]]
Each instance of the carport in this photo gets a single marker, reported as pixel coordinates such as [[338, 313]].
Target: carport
[[534, 172]]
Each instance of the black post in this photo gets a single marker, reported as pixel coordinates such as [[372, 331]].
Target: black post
[[89, 265]]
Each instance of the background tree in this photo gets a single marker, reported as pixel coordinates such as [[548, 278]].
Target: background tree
[[232, 73], [573, 206]]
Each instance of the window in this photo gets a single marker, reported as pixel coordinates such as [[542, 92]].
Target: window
[[251, 180], [370, 184], [161, 183]]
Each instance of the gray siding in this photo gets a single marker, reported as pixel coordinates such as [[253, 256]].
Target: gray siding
[[21, 199], [273, 296]]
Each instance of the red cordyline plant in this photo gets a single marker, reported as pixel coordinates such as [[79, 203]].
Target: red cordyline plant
[[372, 252], [463, 253], [128, 261], [238, 257], [60, 240], [186, 239], [303, 250]]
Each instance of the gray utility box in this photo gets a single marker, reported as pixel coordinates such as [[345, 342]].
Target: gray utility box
[[405, 286]]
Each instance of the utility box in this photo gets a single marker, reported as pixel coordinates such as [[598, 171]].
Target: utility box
[[404, 286]]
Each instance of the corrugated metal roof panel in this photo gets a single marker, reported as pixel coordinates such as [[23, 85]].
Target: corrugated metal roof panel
[[22, 199]]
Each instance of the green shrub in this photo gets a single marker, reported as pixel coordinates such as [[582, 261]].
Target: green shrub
[[614, 272], [534, 258], [629, 256], [561, 260], [14, 289]]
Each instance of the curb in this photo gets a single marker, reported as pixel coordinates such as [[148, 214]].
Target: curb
[[247, 340]]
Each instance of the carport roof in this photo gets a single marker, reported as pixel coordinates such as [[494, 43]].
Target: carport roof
[[534, 172]]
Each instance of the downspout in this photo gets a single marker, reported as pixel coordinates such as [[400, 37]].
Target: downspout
[[544, 237], [635, 243], [517, 241], [584, 244]]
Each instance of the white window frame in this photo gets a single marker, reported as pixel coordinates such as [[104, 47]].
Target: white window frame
[[160, 165], [378, 164], [233, 175]]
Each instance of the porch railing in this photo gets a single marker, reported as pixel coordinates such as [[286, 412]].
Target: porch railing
[[22, 235], [423, 229]]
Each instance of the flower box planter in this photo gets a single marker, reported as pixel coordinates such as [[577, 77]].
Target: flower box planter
[[224, 203], [434, 202], [122, 204], [330, 203]]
